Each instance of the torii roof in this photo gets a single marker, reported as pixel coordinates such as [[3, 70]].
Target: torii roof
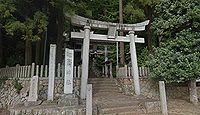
[[82, 21]]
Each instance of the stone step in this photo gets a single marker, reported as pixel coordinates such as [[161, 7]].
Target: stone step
[[47, 110], [102, 82], [101, 79], [107, 93], [4, 111], [104, 85], [106, 90], [123, 110]]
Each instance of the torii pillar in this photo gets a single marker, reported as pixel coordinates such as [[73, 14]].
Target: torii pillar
[[85, 61], [134, 69]]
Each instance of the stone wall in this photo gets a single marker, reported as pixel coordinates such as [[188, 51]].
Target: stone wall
[[177, 92], [148, 87], [10, 98]]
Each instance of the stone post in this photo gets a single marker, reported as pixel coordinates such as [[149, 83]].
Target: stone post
[[106, 59], [111, 76], [134, 69], [33, 93], [32, 69], [163, 99], [117, 68], [85, 61], [89, 100], [117, 55], [52, 63], [69, 65]]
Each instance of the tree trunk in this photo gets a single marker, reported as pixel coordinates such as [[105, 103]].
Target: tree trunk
[[193, 92], [1, 49], [28, 52], [60, 39], [121, 45], [37, 52], [149, 15], [149, 36]]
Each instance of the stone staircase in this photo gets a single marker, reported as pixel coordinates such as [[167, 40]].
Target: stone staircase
[[108, 100], [103, 85]]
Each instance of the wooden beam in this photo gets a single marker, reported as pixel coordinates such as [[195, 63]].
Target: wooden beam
[[100, 37]]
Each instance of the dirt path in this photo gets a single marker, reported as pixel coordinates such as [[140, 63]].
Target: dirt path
[[182, 107], [4, 112], [175, 107]]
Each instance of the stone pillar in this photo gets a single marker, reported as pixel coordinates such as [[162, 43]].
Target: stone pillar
[[82, 52], [117, 68], [106, 59], [33, 93], [85, 61], [52, 63], [163, 99], [111, 76], [117, 55], [89, 100], [134, 69], [69, 65]]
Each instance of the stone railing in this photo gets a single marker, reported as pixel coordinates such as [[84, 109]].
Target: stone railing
[[32, 70], [126, 71]]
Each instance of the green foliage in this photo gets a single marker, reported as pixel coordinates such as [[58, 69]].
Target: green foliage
[[149, 2], [142, 56], [133, 13], [174, 16], [31, 28], [7, 7], [176, 60], [18, 86], [30, 23], [177, 24]]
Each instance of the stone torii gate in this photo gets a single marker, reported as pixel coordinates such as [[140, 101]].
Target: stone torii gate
[[87, 35]]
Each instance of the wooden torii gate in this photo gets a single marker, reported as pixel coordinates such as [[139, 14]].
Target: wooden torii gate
[[87, 35]]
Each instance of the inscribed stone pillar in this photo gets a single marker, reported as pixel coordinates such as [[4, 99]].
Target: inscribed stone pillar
[[52, 63], [33, 93], [85, 61], [69, 64], [134, 69]]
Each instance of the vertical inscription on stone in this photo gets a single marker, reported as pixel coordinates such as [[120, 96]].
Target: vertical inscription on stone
[[52, 61], [33, 93], [69, 65]]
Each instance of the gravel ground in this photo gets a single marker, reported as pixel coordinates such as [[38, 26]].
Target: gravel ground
[[175, 107], [182, 107]]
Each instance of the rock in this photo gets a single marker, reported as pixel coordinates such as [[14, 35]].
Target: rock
[[24, 91], [18, 105], [32, 103], [152, 107], [68, 100]]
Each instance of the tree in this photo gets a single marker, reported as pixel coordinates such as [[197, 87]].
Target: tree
[[20, 17], [178, 58], [121, 45], [6, 9]]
